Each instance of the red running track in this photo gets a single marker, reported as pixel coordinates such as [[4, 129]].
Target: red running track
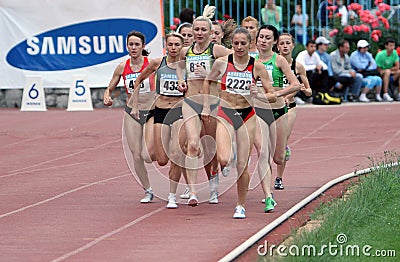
[[67, 193]]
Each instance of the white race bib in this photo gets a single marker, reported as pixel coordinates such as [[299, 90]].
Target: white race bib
[[169, 85], [193, 61], [238, 83], [130, 80]]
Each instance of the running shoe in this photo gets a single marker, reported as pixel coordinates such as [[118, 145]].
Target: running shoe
[[269, 204], [172, 201], [193, 201], [288, 152], [185, 194], [225, 171], [214, 182], [239, 212], [213, 197], [278, 183], [148, 197], [263, 200]]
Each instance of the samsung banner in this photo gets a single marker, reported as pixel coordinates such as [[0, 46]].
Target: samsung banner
[[59, 39]]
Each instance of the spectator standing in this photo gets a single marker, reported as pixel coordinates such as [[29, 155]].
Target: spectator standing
[[363, 62], [388, 66], [271, 14], [297, 21], [322, 14], [187, 15], [343, 72], [342, 10], [316, 70]]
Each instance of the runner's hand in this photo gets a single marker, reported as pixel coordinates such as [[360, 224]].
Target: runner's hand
[[182, 86], [107, 100]]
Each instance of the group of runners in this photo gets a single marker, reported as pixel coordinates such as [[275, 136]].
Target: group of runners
[[221, 81]]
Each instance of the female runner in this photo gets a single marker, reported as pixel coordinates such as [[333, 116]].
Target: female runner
[[167, 112], [286, 44], [272, 123], [238, 73], [186, 31], [198, 59], [136, 130]]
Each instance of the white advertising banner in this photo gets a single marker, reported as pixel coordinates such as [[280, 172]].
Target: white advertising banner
[[59, 39]]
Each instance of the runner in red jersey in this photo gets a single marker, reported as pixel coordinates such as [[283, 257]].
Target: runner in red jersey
[[141, 128], [238, 73]]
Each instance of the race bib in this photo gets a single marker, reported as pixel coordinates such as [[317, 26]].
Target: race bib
[[130, 80], [169, 85], [238, 83], [193, 61]]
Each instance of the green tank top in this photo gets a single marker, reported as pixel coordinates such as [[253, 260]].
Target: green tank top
[[275, 73]]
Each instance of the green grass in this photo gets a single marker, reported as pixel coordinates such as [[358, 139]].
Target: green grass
[[370, 216]]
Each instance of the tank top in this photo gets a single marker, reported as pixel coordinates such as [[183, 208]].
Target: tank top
[[275, 73], [205, 59], [130, 76], [166, 80], [293, 68], [237, 81]]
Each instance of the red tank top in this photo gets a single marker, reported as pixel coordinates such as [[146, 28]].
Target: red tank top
[[238, 81], [130, 76]]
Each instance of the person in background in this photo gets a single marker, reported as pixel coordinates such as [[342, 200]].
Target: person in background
[[297, 21], [271, 14], [344, 73], [363, 62], [186, 31], [187, 15], [387, 61], [316, 70], [322, 48], [222, 33], [322, 14], [251, 24], [342, 10]]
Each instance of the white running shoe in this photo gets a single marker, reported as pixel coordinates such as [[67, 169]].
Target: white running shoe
[[172, 201], [239, 212], [363, 98], [378, 98], [185, 194], [213, 197], [225, 171], [387, 97], [148, 197], [193, 201]]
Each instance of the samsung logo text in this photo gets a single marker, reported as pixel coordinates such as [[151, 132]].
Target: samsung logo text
[[78, 45]]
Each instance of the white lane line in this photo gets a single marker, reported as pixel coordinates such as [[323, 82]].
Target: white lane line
[[61, 195], [108, 235], [63, 157], [388, 141], [42, 169], [318, 129]]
